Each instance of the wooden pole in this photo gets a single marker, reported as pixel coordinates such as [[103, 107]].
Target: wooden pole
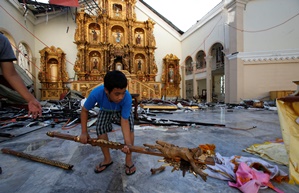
[[38, 159]]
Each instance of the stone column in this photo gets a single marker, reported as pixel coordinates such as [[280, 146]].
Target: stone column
[[209, 77], [235, 20], [183, 83], [194, 79]]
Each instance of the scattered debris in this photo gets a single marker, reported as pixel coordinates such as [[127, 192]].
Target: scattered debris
[[67, 113], [158, 170]]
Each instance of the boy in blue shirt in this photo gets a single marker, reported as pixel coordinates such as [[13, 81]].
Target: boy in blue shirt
[[115, 103]]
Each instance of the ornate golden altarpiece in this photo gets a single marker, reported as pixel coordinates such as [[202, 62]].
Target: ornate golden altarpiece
[[112, 39], [53, 75], [171, 77]]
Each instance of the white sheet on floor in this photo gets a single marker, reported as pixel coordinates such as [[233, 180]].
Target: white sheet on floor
[[272, 151], [225, 167]]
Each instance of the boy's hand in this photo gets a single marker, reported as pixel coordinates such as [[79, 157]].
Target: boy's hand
[[84, 137], [126, 149]]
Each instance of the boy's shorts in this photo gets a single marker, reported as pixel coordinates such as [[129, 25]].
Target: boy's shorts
[[105, 120]]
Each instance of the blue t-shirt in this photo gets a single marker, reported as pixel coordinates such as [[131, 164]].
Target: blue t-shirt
[[99, 97]]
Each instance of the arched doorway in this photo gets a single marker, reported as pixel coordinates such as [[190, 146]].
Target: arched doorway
[[189, 77], [217, 73]]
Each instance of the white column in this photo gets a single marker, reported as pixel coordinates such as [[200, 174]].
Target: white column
[[194, 79], [209, 77], [183, 81]]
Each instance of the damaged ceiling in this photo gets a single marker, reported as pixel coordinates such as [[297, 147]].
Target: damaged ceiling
[[40, 8]]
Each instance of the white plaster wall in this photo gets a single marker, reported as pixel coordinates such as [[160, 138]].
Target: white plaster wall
[[13, 22], [167, 39], [204, 37], [271, 30], [260, 79], [269, 25]]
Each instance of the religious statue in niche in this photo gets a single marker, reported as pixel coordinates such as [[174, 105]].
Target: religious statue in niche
[[118, 36], [139, 63], [94, 34], [117, 10], [138, 39], [95, 63], [171, 74]]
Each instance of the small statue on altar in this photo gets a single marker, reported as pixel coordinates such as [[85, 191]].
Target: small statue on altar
[[138, 39], [171, 74], [94, 35], [118, 37], [95, 64], [139, 64]]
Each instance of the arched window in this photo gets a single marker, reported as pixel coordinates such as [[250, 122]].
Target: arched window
[[24, 59], [188, 65], [200, 60]]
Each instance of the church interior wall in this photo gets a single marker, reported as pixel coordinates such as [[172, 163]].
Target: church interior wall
[[143, 13], [269, 77], [204, 37], [16, 23], [271, 32], [273, 38], [140, 14], [234, 87]]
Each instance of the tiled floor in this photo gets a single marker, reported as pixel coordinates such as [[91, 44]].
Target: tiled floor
[[243, 127]]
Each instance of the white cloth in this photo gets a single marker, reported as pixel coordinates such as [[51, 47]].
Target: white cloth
[[225, 167]]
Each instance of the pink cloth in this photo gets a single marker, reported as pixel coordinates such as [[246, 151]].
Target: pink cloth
[[249, 180]]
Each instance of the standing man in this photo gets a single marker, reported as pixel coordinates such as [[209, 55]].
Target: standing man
[[115, 104], [7, 57]]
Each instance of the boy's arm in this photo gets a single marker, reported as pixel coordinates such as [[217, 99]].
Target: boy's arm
[[125, 127], [84, 118]]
